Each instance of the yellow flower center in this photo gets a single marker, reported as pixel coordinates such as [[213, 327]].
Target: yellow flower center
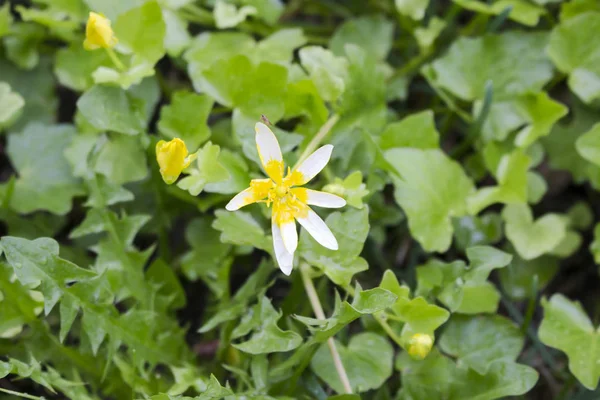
[[420, 345], [288, 202]]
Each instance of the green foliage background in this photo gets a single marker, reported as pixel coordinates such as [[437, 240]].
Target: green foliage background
[[467, 146]]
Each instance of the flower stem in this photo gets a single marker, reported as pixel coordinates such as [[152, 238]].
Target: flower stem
[[311, 292], [323, 131], [115, 59], [19, 394]]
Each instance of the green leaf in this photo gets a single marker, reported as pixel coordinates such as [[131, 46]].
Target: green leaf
[[108, 108], [350, 228], [573, 50], [533, 238], [520, 10], [6, 20], [22, 46], [412, 8], [567, 327], [45, 180], [19, 306], [255, 90], [595, 245], [228, 15], [518, 278], [268, 337], [122, 159], [177, 37], [206, 260], [38, 89], [427, 36], [241, 229], [479, 341], [417, 131], [514, 61], [239, 176], [326, 70], [512, 178], [74, 66], [186, 118], [141, 31], [561, 146], [208, 170], [531, 116], [588, 145], [351, 188], [367, 360], [477, 230], [373, 34], [364, 302], [11, 105], [462, 289], [431, 190]]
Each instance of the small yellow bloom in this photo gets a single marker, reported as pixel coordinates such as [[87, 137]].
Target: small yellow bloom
[[289, 202], [98, 33], [420, 345], [172, 158]]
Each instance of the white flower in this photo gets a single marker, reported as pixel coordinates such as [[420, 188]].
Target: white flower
[[290, 202]]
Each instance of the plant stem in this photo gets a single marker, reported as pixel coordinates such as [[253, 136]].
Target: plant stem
[[115, 59], [323, 131], [23, 395], [388, 329], [311, 292]]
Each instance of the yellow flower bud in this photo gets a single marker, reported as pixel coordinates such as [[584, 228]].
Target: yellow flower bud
[[420, 345], [172, 158], [98, 33]]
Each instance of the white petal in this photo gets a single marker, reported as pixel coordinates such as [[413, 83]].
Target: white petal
[[289, 235], [240, 200], [324, 199], [285, 259], [318, 230], [267, 144], [314, 163]]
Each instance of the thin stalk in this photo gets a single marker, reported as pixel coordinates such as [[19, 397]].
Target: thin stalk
[[22, 395], [311, 292], [115, 59], [323, 131], [388, 329]]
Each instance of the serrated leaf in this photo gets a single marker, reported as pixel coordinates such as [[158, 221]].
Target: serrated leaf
[[208, 169], [477, 230], [431, 190], [267, 336], [364, 302], [45, 180], [141, 31], [350, 228], [367, 360], [74, 66], [241, 229], [567, 327]]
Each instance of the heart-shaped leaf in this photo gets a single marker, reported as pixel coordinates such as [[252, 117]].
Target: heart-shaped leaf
[[533, 238]]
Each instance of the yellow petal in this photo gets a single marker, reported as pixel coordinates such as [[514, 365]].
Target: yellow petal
[[98, 33], [172, 158]]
